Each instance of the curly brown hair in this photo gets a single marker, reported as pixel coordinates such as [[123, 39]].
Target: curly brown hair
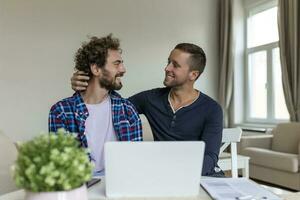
[[95, 52]]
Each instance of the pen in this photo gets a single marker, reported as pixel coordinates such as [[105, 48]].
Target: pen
[[244, 197]]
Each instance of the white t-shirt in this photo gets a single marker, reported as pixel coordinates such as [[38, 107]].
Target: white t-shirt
[[99, 129]]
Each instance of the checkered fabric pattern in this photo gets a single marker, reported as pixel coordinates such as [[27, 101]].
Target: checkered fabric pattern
[[71, 114]]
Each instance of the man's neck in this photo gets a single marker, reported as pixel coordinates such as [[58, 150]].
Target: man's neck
[[183, 96], [94, 94]]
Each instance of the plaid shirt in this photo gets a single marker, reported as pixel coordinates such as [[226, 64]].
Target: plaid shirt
[[71, 114]]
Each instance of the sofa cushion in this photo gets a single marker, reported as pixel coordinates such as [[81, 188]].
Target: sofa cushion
[[272, 159], [286, 138]]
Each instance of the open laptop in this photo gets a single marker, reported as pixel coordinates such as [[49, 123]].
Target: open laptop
[[153, 169]]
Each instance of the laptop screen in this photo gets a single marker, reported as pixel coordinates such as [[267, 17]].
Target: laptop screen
[[153, 169]]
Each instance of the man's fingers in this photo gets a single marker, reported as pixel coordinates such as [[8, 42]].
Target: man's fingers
[[82, 78], [78, 88], [80, 84], [79, 81], [76, 78], [80, 73]]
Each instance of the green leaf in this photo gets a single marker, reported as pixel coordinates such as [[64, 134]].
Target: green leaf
[[52, 162]]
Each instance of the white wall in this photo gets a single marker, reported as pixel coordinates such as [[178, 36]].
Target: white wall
[[38, 39]]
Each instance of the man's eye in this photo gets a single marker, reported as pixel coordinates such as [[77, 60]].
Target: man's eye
[[175, 65]]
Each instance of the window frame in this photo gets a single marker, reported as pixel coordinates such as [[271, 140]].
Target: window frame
[[270, 119]]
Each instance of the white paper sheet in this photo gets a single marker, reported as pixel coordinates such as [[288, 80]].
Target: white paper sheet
[[236, 189]]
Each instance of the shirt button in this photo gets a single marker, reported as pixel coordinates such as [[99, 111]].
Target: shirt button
[[174, 117], [172, 124]]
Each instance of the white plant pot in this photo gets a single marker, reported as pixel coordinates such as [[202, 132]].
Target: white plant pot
[[76, 194]]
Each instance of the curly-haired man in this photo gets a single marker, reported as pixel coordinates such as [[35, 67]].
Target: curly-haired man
[[98, 114]]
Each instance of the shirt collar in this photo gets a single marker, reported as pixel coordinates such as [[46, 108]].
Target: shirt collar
[[80, 105]]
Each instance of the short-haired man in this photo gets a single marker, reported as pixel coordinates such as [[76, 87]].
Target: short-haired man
[[178, 111], [98, 114]]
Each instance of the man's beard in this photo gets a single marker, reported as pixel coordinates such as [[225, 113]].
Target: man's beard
[[166, 84], [108, 82]]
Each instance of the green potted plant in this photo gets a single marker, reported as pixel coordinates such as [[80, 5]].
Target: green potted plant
[[51, 166]]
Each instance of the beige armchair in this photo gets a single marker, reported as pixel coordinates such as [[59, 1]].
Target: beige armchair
[[275, 157]]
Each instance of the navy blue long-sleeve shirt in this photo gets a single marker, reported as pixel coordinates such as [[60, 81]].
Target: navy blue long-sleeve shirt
[[201, 120]]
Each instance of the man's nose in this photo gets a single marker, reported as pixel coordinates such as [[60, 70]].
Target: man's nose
[[122, 68], [168, 67]]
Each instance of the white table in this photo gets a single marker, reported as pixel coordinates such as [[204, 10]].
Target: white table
[[97, 192]]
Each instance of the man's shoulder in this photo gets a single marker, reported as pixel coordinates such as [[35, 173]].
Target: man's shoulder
[[118, 99], [209, 102], [123, 105], [157, 92], [63, 104]]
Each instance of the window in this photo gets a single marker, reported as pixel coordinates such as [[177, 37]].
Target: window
[[264, 94]]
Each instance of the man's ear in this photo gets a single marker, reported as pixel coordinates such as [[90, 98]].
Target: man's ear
[[194, 75], [95, 70]]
